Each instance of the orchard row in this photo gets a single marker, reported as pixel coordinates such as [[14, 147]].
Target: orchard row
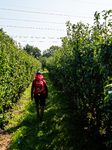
[[17, 69], [82, 67]]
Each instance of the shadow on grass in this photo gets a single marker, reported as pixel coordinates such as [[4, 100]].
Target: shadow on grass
[[58, 131]]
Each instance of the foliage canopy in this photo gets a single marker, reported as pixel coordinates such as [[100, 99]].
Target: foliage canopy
[[17, 69], [32, 51], [83, 68]]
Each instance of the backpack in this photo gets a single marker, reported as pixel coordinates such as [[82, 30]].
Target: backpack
[[39, 84]]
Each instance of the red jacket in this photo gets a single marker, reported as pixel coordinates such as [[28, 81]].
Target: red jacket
[[34, 84]]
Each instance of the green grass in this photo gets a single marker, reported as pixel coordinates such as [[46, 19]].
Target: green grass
[[58, 131]]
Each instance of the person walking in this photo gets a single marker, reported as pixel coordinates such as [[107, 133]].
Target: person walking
[[39, 91]]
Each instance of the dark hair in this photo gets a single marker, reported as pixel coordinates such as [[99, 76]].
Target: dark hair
[[38, 72]]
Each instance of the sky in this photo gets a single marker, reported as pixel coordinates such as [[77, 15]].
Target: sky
[[41, 23]]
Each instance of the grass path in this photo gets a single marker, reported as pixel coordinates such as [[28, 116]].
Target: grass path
[[24, 126], [58, 131]]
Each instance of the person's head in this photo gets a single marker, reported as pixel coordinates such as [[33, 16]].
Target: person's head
[[39, 76], [39, 73]]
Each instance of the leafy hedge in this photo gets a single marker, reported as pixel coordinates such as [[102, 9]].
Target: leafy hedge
[[17, 69], [83, 67]]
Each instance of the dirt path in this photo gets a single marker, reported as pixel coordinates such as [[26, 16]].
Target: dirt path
[[5, 140]]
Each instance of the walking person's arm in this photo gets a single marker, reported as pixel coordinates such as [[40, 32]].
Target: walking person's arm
[[32, 87], [46, 91]]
